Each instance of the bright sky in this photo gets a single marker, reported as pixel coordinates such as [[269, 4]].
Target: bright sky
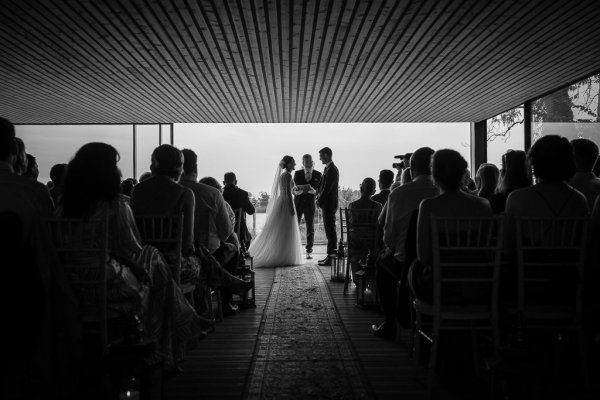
[[253, 151]]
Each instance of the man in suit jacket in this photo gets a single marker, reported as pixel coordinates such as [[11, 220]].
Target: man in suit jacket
[[305, 202], [238, 198], [327, 200], [386, 178]]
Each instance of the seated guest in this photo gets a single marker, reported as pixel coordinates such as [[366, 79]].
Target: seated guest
[[210, 181], [57, 175], [29, 260], [515, 174], [585, 154], [596, 169], [162, 195], [402, 203], [486, 180], [139, 280], [551, 158], [449, 169], [469, 184], [238, 199], [32, 171], [212, 225], [20, 162], [127, 186], [386, 178], [551, 196]]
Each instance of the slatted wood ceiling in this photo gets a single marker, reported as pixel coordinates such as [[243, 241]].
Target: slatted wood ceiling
[[148, 61]]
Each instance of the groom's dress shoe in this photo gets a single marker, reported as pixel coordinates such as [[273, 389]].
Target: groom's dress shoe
[[326, 262], [323, 260]]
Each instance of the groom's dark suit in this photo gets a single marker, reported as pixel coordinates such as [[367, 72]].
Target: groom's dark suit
[[305, 204], [327, 200]]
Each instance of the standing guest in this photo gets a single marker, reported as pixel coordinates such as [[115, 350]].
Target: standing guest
[[305, 200], [515, 174], [399, 251], [57, 176], [32, 171], [327, 200], [386, 178], [239, 199], [486, 180], [585, 153]]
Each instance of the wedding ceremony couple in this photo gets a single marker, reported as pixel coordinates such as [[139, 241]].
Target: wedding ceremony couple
[[279, 243]]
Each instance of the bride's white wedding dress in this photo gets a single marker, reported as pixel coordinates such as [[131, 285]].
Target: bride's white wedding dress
[[279, 241]]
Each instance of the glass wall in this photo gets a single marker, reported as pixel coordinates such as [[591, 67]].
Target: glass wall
[[505, 132], [572, 112], [147, 141], [56, 144]]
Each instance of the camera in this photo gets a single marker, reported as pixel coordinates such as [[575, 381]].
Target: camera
[[405, 159]]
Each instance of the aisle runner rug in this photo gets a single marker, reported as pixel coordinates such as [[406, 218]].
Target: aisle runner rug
[[303, 350]]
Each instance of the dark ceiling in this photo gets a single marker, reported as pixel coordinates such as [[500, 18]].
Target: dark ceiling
[[126, 61]]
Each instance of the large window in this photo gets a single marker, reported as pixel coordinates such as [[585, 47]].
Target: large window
[[572, 112], [147, 141], [55, 144], [505, 132]]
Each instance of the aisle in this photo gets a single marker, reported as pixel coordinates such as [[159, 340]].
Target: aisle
[[303, 350]]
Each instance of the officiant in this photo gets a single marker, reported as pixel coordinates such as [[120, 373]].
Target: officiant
[[307, 182]]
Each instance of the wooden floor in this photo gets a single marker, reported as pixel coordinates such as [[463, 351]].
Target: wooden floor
[[219, 367]]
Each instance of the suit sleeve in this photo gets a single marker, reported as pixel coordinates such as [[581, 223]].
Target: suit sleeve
[[248, 206], [331, 181]]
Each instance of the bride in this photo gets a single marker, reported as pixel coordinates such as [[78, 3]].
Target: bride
[[279, 241]]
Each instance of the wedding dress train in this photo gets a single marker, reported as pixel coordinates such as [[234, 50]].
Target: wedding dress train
[[279, 241]]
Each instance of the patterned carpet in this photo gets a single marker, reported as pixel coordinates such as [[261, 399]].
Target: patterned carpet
[[303, 350]]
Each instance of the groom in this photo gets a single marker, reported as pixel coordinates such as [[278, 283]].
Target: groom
[[305, 201], [327, 200]]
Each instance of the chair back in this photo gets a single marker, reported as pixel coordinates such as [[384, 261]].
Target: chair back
[[82, 247], [238, 221], [343, 226], [363, 236], [550, 263], [466, 260], [166, 234]]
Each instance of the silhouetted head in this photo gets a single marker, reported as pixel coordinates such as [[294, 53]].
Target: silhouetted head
[[127, 186], [92, 178], [307, 161], [325, 155], [288, 163], [57, 174], [448, 168], [20, 162], [487, 180], [229, 179], [585, 153], [515, 173], [190, 162], [8, 146], [551, 158], [367, 187], [420, 161], [32, 171], [210, 181], [386, 178], [167, 161]]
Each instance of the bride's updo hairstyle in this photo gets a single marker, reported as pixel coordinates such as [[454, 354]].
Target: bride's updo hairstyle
[[285, 161]]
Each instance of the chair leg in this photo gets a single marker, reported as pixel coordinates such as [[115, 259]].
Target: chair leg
[[433, 357], [584, 361], [211, 312], [219, 305], [417, 343], [347, 277]]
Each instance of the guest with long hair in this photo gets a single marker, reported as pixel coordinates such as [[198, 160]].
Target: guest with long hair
[[139, 280], [486, 179], [514, 174]]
